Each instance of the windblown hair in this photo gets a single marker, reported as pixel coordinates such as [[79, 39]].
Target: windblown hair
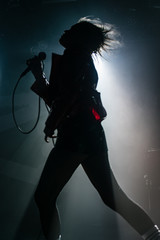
[[98, 36]]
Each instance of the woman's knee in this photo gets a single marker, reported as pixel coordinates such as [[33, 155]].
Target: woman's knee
[[109, 201], [113, 196]]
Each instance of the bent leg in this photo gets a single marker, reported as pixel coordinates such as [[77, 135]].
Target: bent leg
[[58, 169], [98, 170]]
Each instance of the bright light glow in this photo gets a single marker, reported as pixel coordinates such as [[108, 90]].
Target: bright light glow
[[126, 127]]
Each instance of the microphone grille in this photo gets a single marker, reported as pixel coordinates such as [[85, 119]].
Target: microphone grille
[[42, 55]]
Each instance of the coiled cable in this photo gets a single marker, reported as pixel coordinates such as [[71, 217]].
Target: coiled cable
[[13, 111]]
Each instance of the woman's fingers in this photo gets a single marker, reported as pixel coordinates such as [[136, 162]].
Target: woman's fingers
[[46, 138]]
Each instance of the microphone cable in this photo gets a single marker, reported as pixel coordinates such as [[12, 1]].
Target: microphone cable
[[38, 115], [13, 111], [41, 56]]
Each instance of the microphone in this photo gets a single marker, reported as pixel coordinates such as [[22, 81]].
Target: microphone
[[41, 56]]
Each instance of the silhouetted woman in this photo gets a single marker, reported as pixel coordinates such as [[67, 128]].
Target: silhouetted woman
[[75, 111]]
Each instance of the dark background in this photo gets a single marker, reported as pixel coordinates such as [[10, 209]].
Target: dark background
[[131, 92]]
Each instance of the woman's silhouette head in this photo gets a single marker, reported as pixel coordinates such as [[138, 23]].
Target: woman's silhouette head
[[89, 35]]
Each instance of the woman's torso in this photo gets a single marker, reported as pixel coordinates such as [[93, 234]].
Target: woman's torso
[[79, 131]]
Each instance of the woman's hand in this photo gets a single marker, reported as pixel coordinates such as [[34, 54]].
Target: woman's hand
[[46, 138], [36, 67], [48, 134], [49, 130]]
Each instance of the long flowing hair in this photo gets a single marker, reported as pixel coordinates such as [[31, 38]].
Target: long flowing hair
[[98, 36]]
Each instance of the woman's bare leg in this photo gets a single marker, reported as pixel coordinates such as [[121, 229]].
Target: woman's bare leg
[[58, 169], [98, 170]]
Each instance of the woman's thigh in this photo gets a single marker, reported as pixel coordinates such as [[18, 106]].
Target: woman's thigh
[[98, 170], [59, 167]]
